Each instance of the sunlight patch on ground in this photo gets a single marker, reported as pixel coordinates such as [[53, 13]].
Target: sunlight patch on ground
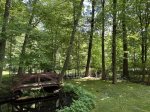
[[5, 73], [139, 109], [89, 78], [104, 98], [77, 82]]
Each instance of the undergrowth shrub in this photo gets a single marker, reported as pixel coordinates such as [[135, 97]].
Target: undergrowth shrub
[[84, 103]]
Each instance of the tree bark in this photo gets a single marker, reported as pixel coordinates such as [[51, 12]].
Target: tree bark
[[145, 37], [103, 40], [144, 23], [114, 78], [90, 40], [125, 46], [26, 39], [3, 36], [78, 56], [72, 37]]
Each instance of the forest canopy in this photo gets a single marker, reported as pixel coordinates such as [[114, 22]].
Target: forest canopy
[[82, 37]]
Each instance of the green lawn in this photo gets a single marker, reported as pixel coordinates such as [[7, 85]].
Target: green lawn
[[122, 97]]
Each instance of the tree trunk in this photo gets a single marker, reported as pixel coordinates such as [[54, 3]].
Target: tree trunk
[[90, 41], [69, 50], [26, 39], [144, 51], [134, 56], [3, 36], [78, 56], [144, 23], [114, 78], [145, 36], [103, 40], [21, 61], [2, 55], [147, 22], [125, 46]]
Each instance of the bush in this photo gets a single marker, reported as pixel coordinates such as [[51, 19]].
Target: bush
[[84, 103]]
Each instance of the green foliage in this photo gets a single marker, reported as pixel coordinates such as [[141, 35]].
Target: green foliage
[[52, 26], [122, 97], [85, 102]]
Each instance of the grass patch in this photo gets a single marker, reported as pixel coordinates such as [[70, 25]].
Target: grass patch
[[122, 97]]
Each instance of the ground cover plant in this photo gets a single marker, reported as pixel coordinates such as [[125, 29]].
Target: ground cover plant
[[105, 39], [122, 97], [84, 102]]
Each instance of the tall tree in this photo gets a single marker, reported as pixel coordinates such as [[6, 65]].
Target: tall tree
[[114, 78], [143, 13], [26, 39], [72, 37], [125, 46], [103, 40], [145, 36], [78, 55], [4, 35], [90, 40]]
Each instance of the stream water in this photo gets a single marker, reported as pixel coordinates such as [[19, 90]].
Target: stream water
[[50, 104]]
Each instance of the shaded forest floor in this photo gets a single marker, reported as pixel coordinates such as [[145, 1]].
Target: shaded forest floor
[[122, 97]]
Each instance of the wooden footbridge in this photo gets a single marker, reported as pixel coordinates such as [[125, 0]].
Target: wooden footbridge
[[48, 82]]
